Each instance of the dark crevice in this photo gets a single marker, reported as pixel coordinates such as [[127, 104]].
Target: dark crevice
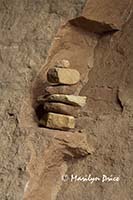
[[119, 101], [39, 111]]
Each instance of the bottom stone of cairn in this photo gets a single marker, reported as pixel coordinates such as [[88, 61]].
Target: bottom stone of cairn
[[58, 121]]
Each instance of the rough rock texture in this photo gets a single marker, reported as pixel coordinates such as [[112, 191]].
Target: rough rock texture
[[62, 64], [63, 147], [27, 30], [63, 76], [58, 121], [105, 73]]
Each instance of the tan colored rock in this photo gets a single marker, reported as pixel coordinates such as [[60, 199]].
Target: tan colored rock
[[51, 163], [62, 64], [63, 76], [75, 144], [61, 108], [61, 98], [69, 99], [104, 15], [61, 89], [58, 121]]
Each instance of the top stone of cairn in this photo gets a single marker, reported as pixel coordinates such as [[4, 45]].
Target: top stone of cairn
[[63, 76]]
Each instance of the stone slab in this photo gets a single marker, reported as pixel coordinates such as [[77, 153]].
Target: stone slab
[[61, 98], [61, 108], [61, 89], [58, 121], [104, 15]]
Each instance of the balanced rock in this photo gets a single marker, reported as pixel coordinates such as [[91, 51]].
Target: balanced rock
[[63, 76], [58, 121], [61, 89], [62, 98], [61, 108], [62, 64]]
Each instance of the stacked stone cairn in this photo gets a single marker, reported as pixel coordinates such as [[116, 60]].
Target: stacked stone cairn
[[60, 105]]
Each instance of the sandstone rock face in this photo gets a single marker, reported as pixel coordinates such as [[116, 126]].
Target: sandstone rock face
[[61, 108], [68, 99], [106, 65], [58, 121], [63, 76], [63, 145], [27, 29]]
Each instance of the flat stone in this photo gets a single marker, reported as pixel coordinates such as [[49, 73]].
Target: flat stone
[[61, 89], [61, 108], [58, 121], [68, 99], [62, 64], [103, 16], [63, 76]]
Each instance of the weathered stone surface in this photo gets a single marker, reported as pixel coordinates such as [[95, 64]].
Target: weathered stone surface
[[62, 64], [110, 128], [45, 178], [63, 76], [107, 62], [58, 121], [27, 30], [61, 89], [68, 99], [61, 108], [103, 16]]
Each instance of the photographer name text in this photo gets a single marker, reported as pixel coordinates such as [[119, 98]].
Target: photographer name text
[[91, 179]]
